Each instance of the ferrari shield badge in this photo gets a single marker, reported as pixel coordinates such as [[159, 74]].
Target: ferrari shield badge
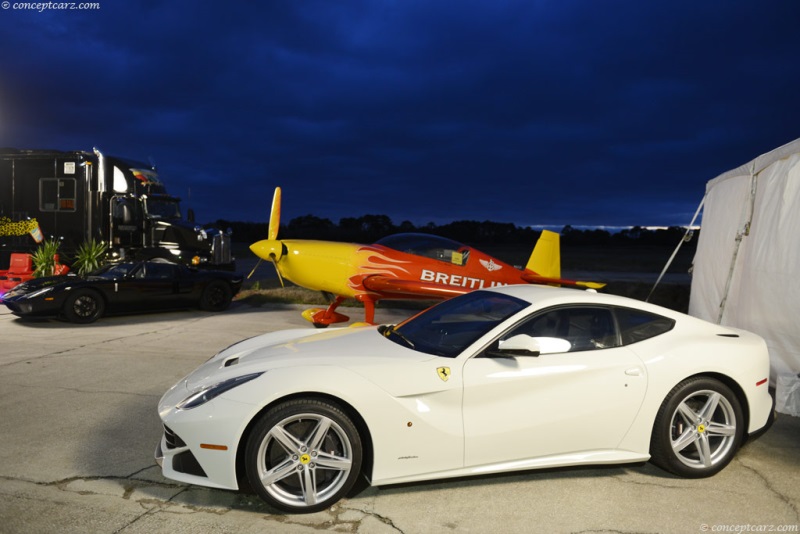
[[444, 373]]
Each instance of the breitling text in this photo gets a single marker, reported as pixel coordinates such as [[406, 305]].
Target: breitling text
[[456, 280]]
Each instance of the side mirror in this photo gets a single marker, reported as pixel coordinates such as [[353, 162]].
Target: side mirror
[[524, 345], [122, 211]]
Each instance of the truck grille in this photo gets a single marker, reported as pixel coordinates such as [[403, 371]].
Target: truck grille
[[221, 249]]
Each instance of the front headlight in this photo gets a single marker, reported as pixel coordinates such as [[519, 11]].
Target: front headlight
[[39, 292], [208, 393]]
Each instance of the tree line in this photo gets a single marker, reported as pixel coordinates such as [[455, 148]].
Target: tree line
[[370, 228]]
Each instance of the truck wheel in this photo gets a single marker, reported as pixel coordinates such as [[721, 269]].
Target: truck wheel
[[216, 297], [84, 306]]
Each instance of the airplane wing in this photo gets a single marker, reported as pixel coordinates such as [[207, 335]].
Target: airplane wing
[[537, 279], [414, 288]]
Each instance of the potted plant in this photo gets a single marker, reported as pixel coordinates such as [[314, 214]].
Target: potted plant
[[45, 258], [90, 256]]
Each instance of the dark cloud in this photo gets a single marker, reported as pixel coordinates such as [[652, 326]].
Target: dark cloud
[[532, 112]]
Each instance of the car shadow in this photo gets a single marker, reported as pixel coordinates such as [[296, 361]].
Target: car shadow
[[155, 316], [143, 316]]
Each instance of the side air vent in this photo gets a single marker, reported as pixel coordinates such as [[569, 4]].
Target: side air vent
[[173, 441], [185, 462]]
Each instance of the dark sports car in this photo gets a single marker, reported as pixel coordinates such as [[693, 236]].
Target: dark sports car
[[124, 288]]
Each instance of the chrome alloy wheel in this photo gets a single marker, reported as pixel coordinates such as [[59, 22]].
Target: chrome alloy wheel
[[703, 429], [304, 459]]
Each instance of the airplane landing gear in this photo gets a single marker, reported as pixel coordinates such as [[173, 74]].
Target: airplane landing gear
[[323, 318]]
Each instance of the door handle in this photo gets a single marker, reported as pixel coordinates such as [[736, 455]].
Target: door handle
[[634, 371]]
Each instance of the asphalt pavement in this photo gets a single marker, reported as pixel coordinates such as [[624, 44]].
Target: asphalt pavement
[[78, 428]]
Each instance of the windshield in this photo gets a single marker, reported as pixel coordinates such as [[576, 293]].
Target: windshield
[[163, 208], [118, 270], [453, 325]]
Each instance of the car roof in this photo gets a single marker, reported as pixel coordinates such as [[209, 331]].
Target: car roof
[[553, 296]]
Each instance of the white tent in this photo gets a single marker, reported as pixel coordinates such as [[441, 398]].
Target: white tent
[[747, 266]]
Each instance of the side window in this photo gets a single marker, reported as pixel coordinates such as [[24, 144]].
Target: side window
[[57, 194], [585, 328], [636, 325], [140, 272], [158, 271], [590, 329]]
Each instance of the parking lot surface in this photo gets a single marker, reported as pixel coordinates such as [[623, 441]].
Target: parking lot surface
[[79, 427]]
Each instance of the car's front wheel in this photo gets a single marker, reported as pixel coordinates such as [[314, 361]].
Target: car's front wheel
[[216, 296], [698, 429], [84, 306], [303, 456]]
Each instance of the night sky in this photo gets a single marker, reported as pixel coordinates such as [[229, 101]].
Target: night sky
[[534, 112]]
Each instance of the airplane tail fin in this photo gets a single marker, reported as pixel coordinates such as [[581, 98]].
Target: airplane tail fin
[[544, 265], [546, 257]]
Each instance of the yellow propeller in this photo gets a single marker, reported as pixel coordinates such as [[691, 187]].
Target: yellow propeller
[[275, 215], [271, 248]]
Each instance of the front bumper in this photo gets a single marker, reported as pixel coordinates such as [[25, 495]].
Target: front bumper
[[199, 446], [32, 307]]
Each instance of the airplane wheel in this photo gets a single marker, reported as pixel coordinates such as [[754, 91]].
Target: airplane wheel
[[320, 325]]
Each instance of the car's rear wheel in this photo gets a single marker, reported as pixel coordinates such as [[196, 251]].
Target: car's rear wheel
[[698, 429], [216, 296], [84, 306], [303, 456]]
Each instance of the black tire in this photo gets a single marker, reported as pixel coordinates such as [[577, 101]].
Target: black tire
[[216, 296], [698, 429], [303, 456], [84, 306]]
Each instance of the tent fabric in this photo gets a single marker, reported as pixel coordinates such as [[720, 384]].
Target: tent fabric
[[747, 266]]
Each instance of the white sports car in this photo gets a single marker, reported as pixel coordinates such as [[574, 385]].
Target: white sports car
[[512, 378]]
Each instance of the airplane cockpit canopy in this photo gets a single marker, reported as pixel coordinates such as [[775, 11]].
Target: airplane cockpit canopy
[[429, 246]]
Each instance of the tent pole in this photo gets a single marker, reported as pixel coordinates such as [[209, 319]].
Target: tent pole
[[686, 238], [739, 237]]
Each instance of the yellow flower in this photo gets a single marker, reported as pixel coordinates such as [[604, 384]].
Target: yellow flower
[[9, 227]]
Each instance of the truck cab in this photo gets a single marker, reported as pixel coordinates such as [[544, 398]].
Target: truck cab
[[76, 196]]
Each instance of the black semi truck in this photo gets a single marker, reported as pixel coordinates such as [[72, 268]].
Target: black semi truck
[[76, 196]]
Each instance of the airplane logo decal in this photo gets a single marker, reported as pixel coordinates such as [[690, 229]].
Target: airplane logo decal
[[444, 373], [490, 265]]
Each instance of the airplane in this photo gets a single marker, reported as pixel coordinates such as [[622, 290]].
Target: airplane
[[400, 266]]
